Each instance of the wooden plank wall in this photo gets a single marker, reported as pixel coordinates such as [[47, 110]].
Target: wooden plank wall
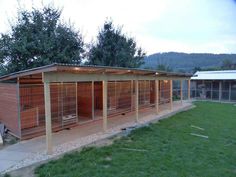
[[124, 94], [152, 92], [84, 94], [9, 107], [98, 95]]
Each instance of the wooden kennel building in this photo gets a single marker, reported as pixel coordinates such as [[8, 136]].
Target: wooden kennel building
[[54, 97]]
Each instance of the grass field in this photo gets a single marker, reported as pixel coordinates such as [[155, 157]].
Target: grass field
[[162, 149]]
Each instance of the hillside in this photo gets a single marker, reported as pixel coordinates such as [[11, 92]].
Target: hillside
[[187, 62]]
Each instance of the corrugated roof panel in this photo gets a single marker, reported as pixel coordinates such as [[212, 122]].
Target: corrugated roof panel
[[215, 75]]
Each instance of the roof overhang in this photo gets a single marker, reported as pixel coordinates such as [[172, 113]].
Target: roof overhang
[[91, 69]]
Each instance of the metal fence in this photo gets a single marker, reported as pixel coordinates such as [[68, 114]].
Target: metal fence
[[214, 90]]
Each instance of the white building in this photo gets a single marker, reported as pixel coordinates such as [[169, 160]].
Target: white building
[[214, 85]]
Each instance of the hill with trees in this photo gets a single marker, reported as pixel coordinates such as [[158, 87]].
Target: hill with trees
[[184, 62]]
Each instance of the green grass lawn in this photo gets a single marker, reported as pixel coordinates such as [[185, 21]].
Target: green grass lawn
[[167, 147]]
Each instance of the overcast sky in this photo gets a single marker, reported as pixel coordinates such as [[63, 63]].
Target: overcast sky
[[157, 25]]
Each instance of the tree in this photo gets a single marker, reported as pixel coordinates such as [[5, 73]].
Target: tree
[[162, 67], [197, 68], [113, 48], [39, 38], [228, 64]]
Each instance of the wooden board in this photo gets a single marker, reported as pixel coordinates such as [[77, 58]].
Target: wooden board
[[84, 94], [9, 107]]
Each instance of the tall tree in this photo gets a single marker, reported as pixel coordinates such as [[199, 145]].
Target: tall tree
[[113, 48], [39, 38]]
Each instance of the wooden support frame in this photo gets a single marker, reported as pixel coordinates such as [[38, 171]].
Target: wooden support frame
[[220, 90], [157, 96], [18, 105], [76, 104], [93, 114], [171, 94], [189, 91], [48, 120], [211, 90], [60, 77], [104, 100], [136, 101], [181, 91], [131, 93], [73, 77]]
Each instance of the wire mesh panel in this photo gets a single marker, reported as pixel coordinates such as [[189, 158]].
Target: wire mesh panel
[[176, 90], [56, 104], [200, 90], [193, 89], [185, 89], [233, 91], [32, 111], [225, 90], [111, 96], [215, 90], [164, 95], [68, 103], [144, 93], [119, 97], [210, 90]]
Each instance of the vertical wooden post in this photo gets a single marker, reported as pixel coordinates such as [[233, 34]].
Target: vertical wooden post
[[189, 91], [136, 100], [62, 99], [116, 100], [131, 92], [48, 121], [157, 95], [220, 90], [202, 91], [92, 90], [58, 98], [181, 91], [18, 105], [171, 94], [211, 89], [104, 98], [76, 99], [229, 90]]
